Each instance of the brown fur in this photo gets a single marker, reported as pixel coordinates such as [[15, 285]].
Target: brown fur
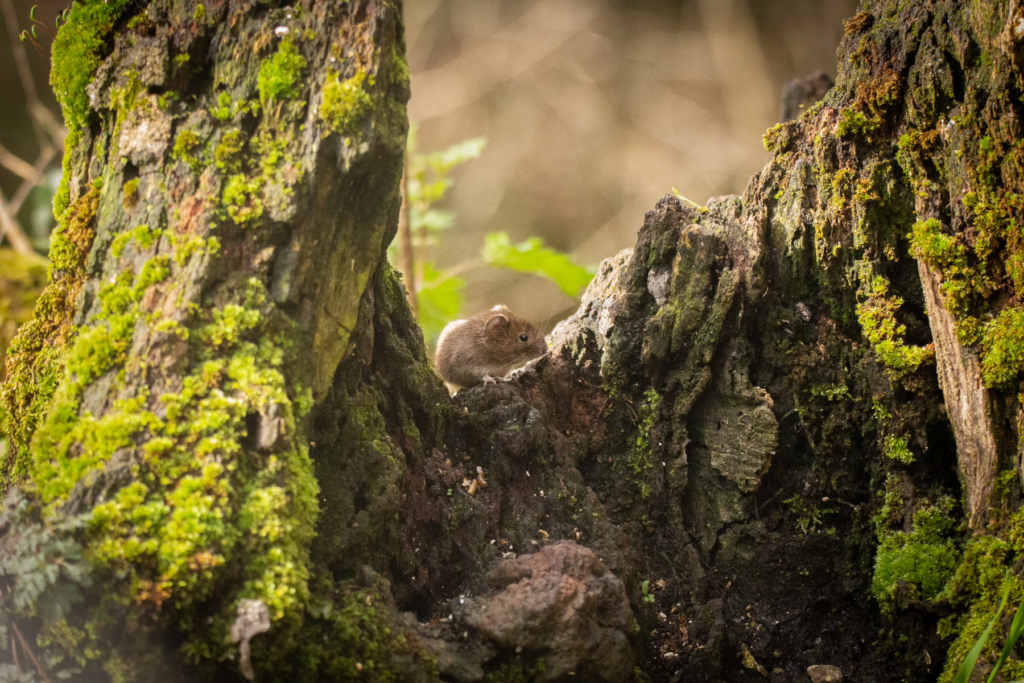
[[486, 346]]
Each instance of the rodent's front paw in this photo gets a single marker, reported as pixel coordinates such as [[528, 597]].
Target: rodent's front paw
[[489, 380]]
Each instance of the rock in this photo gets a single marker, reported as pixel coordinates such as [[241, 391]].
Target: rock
[[146, 132], [825, 673], [560, 604]]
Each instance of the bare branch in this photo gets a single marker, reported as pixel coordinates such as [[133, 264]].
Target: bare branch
[[16, 165], [45, 157], [28, 651], [10, 229]]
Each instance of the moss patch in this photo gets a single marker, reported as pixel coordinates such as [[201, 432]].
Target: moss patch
[[280, 76], [346, 103]]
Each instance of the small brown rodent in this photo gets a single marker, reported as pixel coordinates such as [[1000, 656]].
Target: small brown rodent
[[485, 347]]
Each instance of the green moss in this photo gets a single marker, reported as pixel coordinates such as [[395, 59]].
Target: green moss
[[228, 154], [639, 460], [777, 138], [346, 103], [222, 112], [877, 316], [978, 585], [35, 357], [1003, 359], [916, 565], [186, 142], [126, 98], [241, 197], [809, 515], [280, 76], [853, 123], [76, 57], [130, 194], [399, 68], [142, 234], [517, 671], [895, 448], [356, 637], [200, 12]]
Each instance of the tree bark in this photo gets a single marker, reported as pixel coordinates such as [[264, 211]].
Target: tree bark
[[742, 455]]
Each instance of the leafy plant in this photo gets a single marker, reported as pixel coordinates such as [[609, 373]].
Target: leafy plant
[[42, 566], [963, 674], [531, 256], [437, 295], [645, 590]]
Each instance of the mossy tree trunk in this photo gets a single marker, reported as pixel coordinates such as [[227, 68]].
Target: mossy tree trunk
[[230, 185], [781, 425]]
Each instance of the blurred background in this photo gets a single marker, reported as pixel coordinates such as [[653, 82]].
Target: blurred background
[[591, 111]]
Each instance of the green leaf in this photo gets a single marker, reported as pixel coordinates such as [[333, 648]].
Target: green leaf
[[440, 299], [1016, 629], [446, 159], [531, 256], [963, 675], [432, 219]]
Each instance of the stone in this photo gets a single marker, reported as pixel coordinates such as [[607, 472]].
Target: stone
[[825, 673], [560, 604]]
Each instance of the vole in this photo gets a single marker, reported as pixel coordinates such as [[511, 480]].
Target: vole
[[485, 347]]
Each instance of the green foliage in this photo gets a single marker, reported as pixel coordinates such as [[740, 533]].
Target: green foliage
[[427, 181], [42, 567], [920, 561], [280, 76], [645, 592], [440, 293], [440, 299], [531, 256], [808, 515], [966, 670]]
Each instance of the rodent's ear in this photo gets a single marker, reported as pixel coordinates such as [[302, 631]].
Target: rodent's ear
[[496, 325]]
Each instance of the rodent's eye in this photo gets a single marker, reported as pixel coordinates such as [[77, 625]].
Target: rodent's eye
[[523, 337]]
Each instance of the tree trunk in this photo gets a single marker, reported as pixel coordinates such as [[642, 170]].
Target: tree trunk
[[750, 451]]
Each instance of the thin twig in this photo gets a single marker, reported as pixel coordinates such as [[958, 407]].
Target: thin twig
[[10, 229], [17, 166], [14, 654], [405, 242], [29, 652], [21, 60], [27, 186]]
